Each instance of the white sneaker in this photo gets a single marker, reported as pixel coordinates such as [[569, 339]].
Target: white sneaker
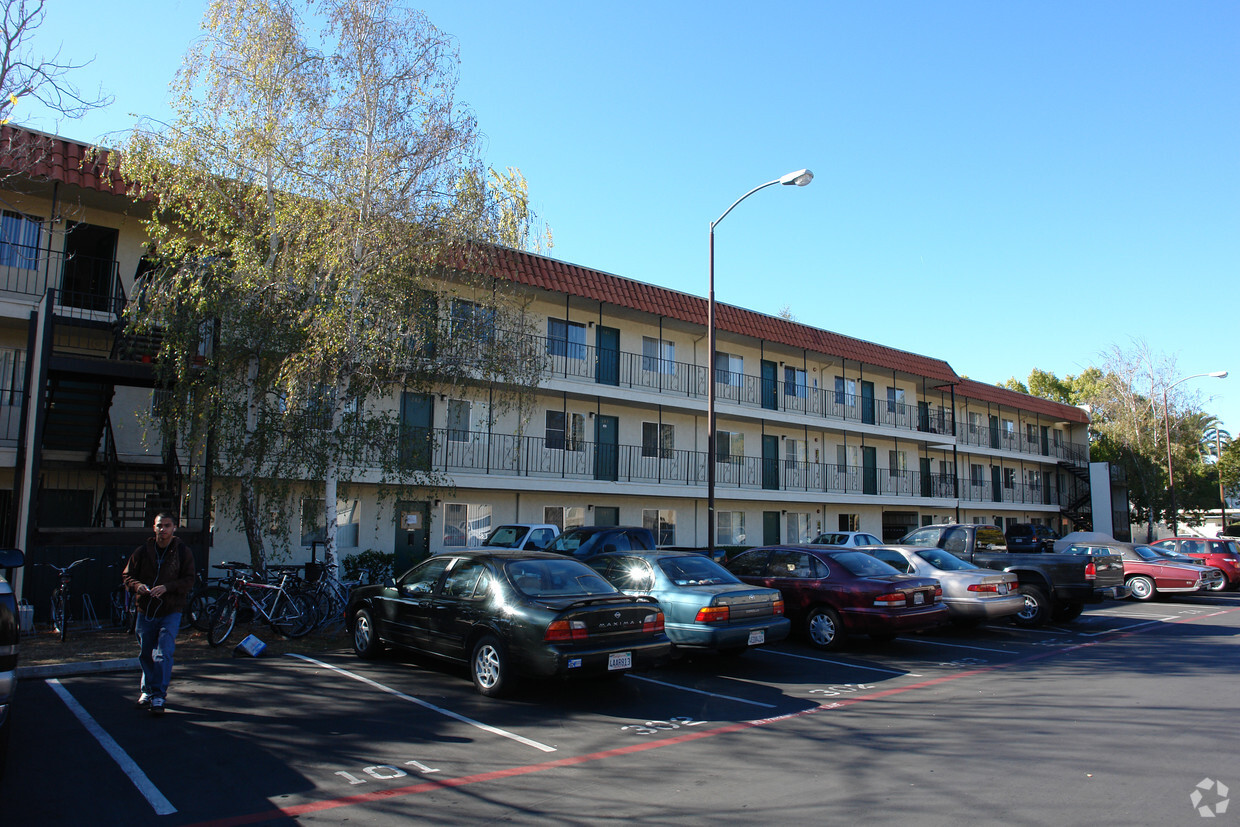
[[143, 702]]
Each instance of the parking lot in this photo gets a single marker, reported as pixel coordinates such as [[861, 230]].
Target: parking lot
[[1115, 718]]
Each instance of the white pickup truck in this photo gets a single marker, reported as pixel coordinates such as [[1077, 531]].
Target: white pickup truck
[[526, 536]]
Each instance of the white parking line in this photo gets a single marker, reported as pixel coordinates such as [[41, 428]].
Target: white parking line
[[954, 645], [699, 691], [1128, 628], [154, 797], [836, 662], [446, 712]]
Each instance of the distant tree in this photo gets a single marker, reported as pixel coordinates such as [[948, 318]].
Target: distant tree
[[785, 312], [318, 207]]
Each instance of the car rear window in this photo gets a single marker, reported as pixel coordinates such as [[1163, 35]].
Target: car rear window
[[861, 564], [990, 537], [695, 571], [506, 536], [557, 578], [943, 561]]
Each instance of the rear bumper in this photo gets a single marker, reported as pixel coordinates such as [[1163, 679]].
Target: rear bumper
[[1091, 594], [563, 661], [879, 621], [700, 635], [991, 608]]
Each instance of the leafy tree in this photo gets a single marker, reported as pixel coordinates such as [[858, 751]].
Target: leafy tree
[[318, 205]]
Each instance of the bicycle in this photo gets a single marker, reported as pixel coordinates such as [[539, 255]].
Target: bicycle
[[330, 596], [122, 607], [201, 598], [289, 614], [61, 595]]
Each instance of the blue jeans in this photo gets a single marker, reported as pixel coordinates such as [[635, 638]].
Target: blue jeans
[[157, 638]]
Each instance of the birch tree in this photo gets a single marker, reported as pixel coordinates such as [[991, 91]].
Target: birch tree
[[318, 201]]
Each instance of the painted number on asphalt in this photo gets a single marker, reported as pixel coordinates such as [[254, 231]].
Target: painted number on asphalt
[[841, 689], [655, 727], [962, 663], [385, 772]]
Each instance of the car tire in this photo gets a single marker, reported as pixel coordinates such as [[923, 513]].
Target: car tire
[[488, 667], [1221, 585], [822, 628], [1037, 609], [366, 641], [1063, 612], [1141, 587]]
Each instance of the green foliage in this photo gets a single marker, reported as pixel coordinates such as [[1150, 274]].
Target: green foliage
[[369, 566]]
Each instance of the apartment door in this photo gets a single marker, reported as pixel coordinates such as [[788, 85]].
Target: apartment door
[[1046, 441], [606, 447], [90, 266], [770, 528], [869, 466], [417, 414], [607, 351], [770, 462], [606, 515], [996, 483], [994, 432], [770, 385], [926, 480], [867, 402], [413, 536]]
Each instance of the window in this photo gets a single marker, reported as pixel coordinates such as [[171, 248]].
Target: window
[[458, 420], [566, 339], [19, 240], [730, 528], [729, 447], [794, 452], [895, 400], [1031, 433], [977, 475], [12, 375], [897, 462], [662, 522], [657, 440], [314, 522], [1009, 428], [471, 321], [658, 355], [465, 524], [1033, 479], [557, 438], [729, 368], [850, 522], [564, 517], [845, 391], [1009, 477], [794, 382], [796, 527]]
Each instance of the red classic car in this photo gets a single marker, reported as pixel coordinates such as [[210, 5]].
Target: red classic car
[[830, 593], [1218, 554]]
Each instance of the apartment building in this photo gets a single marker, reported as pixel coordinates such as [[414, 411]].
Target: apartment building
[[815, 431]]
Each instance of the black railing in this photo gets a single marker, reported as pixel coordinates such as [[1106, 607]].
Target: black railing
[[82, 282]]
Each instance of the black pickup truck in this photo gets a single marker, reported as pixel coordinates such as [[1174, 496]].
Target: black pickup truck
[[10, 558], [1055, 586]]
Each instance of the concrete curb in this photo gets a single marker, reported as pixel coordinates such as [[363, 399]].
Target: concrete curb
[[67, 670]]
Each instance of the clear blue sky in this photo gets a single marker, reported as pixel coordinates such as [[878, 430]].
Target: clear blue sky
[[1001, 185]]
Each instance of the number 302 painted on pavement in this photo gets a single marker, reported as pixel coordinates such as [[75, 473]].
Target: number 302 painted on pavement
[[655, 727]]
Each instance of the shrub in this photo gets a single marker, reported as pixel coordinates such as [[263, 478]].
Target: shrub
[[369, 566]]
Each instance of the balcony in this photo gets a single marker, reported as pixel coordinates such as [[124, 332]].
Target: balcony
[[82, 283]]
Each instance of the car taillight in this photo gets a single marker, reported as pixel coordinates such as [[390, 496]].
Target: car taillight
[[653, 622], [713, 614], [890, 600], [938, 593], [777, 608], [561, 630], [1091, 571], [984, 587]]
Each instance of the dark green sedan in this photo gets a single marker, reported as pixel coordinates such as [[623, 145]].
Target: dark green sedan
[[509, 613], [705, 605]]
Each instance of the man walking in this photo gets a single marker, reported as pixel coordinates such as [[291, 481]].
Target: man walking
[[160, 573]]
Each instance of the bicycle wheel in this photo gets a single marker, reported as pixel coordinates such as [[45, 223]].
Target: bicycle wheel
[[293, 615], [199, 607], [223, 617], [60, 623]]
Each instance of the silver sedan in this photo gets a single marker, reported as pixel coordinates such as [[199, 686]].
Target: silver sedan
[[971, 594]]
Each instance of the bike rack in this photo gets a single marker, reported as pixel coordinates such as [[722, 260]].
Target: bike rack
[[89, 619]]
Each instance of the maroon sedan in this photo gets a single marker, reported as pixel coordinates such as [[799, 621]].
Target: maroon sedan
[[832, 593], [1215, 553]]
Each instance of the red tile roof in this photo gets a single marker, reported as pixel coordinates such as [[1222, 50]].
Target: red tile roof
[[51, 158], [982, 392]]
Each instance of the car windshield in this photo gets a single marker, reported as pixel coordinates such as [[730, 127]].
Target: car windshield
[[1147, 553], [863, 565], [943, 561], [557, 578], [506, 536], [831, 540], [568, 543], [695, 571]]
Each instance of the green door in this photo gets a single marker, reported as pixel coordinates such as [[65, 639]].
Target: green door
[[607, 351], [770, 462], [606, 447], [417, 412], [770, 528], [770, 385], [413, 536], [869, 467]]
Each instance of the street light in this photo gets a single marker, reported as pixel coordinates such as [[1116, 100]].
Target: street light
[[798, 179], [1221, 374]]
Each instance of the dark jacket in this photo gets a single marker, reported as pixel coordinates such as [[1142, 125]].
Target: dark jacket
[[148, 566]]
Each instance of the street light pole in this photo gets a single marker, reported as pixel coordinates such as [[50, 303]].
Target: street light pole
[[798, 179], [1221, 374]]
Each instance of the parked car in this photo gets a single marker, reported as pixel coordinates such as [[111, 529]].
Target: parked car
[[704, 605], [1216, 553], [831, 593], [583, 542], [10, 629], [1146, 571], [971, 594], [846, 538], [510, 613], [1029, 537], [527, 536]]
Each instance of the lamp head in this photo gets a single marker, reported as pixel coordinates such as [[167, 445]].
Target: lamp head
[[1220, 374], [799, 178]]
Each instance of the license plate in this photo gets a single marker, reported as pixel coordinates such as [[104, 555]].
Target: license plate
[[757, 636], [1003, 588], [918, 598], [620, 660]]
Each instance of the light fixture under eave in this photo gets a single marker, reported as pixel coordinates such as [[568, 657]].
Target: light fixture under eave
[[799, 178]]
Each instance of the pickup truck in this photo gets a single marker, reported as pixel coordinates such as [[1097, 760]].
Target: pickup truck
[[525, 536], [1055, 586]]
